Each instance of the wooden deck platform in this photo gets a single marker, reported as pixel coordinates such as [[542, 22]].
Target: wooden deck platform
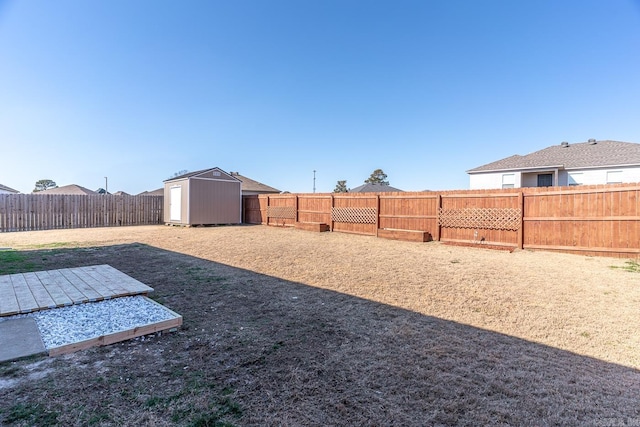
[[28, 292]]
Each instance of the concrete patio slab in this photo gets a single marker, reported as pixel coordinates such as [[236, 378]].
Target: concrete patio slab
[[19, 338]]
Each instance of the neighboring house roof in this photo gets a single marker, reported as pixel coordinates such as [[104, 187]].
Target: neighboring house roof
[[192, 174], [8, 189], [121, 193], [583, 155], [249, 184], [68, 189], [373, 188], [158, 192]]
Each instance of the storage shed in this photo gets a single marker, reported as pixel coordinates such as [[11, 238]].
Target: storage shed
[[205, 197]]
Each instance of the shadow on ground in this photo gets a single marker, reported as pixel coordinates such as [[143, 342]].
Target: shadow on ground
[[258, 350]]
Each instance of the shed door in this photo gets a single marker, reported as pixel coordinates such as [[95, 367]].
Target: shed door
[[175, 204]]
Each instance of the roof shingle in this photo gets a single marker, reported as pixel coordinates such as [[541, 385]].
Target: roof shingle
[[68, 189], [572, 156], [374, 188], [9, 189], [249, 184]]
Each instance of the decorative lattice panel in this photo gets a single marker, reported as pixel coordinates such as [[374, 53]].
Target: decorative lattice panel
[[483, 218], [287, 212], [355, 215]]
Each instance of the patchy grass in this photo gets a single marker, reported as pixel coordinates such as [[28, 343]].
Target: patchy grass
[[54, 245], [98, 418], [15, 262], [9, 371], [631, 266], [30, 414]]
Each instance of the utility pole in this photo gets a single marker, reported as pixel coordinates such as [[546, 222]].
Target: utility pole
[[106, 186], [314, 180]]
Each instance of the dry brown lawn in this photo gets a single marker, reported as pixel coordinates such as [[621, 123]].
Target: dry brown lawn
[[288, 327]]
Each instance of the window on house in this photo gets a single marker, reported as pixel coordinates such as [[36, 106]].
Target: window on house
[[614, 177], [545, 180], [508, 180], [576, 178]]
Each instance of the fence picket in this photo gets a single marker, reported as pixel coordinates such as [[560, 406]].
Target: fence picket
[[28, 212], [587, 219]]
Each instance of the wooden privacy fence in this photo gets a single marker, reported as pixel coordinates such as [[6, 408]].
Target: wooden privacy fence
[[589, 220], [26, 212]]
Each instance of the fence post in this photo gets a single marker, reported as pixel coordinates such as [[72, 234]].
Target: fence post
[[266, 214], [297, 217], [377, 213], [438, 206], [521, 229], [331, 214]]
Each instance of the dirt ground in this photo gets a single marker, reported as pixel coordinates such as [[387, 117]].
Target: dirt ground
[[288, 327]]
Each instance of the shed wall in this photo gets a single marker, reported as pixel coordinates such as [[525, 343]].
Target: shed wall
[[213, 201], [184, 209]]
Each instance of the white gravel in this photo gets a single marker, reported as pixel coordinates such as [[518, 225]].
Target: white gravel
[[75, 323]]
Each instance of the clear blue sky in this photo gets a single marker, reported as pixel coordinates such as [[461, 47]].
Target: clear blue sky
[[275, 89]]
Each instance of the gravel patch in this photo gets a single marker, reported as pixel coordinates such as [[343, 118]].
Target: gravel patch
[[75, 323]]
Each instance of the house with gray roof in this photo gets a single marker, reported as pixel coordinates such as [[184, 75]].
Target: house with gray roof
[[591, 162], [7, 190], [158, 192], [72, 189], [251, 187], [374, 188]]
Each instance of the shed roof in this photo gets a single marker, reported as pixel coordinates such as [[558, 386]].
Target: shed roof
[[249, 184], [373, 188], [68, 189], [590, 154], [9, 189], [196, 173]]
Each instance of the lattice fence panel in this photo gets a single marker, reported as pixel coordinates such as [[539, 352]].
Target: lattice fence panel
[[483, 218], [287, 212], [355, 215]]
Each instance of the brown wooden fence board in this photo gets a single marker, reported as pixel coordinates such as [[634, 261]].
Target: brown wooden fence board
[[408, 212], [280, 201], [251, 209], [589, 220], [26, 212], [361, 201], [314, 208], [584, 220], [457, 202]]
